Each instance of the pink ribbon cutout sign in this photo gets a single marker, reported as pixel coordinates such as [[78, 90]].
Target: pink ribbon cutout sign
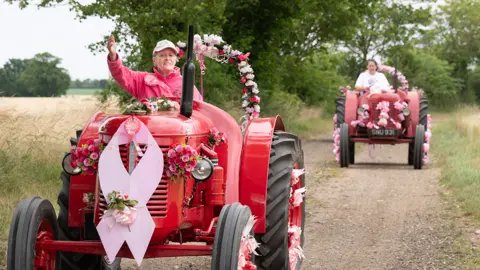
[[139, 185]]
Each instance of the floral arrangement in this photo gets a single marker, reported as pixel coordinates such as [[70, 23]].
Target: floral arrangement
[[295, 250], [336, 143], [89, 199], [216, 138], [121, 208], [248, 245], [181, 160], [150, 105], [211, 47], [86, 156]]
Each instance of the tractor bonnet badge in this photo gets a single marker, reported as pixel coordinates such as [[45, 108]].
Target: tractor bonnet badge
[[114, 177]]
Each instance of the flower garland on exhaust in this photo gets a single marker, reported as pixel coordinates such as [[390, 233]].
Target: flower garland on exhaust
[[211, 47], [248, 245], [121, 208], [86, 156], [181, 159]]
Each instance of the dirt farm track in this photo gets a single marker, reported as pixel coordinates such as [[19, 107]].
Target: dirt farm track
[[377, 214]]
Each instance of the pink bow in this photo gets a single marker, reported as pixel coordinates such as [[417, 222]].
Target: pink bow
[[137, 226]]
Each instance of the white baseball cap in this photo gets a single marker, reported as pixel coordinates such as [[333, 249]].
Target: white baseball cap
[[163, 44]]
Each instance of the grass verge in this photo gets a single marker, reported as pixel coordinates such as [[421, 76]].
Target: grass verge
[[457, 152]]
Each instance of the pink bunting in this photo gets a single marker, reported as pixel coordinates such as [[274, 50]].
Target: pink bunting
[[138, 226]]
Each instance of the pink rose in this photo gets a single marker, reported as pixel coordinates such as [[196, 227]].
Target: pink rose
[[194, 152], [243, 80], [185, 158], [335, 118], [73, 164], [189, 168], [87, 162], [255, 99], [169, 173], [193, 162], [178, 148], [171, 153], [94, 155], [85, 152], [243, 57], [172, 168]]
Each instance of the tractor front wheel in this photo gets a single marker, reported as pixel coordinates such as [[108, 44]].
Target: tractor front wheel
[[344, 146], [281, 244], [34, 220], [232, 235], [418, 147]]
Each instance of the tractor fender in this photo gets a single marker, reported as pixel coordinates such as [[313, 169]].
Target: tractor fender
[[351, 106], [254, 170], [414, 106]]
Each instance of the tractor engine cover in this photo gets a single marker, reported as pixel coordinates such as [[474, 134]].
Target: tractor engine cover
[[167, 128]]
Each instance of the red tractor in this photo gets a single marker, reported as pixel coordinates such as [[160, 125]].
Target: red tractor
[[238, 195], [400, 116]]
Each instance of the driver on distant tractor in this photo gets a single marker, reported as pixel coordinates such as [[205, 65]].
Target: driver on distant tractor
[[372, 80], [165, 80]]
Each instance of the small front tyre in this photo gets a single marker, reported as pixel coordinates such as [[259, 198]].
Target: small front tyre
[[418, 147], [234, 229], [34, 221]]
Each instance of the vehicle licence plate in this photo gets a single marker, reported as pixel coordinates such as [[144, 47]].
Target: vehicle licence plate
[[383, 132]]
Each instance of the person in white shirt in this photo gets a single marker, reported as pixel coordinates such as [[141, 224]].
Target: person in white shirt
[[372, 80]]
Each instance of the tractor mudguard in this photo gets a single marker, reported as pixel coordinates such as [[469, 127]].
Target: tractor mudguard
[[254, 166], [351, 106], [414, 106]]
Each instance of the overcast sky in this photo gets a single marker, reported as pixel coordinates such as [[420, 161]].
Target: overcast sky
[[24, 33]]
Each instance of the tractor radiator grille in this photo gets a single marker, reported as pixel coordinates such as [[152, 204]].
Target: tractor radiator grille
[[393, 114], [157, 205]]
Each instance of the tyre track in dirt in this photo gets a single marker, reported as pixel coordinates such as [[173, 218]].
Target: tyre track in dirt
[[376, 214]]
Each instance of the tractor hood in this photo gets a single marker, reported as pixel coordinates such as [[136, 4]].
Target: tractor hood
[[166, 127]]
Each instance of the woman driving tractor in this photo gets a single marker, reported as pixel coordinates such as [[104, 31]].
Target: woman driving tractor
[[371, 80], [165, 80]]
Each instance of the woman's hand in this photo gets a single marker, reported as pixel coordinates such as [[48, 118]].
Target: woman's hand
[[112, 48]]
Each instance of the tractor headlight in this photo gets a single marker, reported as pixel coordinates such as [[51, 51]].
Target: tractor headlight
[[406, 111], [361, 110], [203, 170], [67, 167]]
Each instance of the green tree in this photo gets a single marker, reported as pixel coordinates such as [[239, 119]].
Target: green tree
[[9, 78], [43, 77]]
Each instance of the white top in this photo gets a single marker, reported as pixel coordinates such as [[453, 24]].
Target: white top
[[375, 81]]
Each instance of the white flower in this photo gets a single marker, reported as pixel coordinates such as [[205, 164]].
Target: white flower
[[255, 90], [256, 107], [181, 44], [212, 39], [251, 83], [197, 38], [227, 49], [235, 53], [242, 64], [250, 76], [245, 103], [246, 69], [245, 96]]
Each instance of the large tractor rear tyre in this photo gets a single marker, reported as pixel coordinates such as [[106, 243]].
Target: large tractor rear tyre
[[340, 111], [418, 148], [231, 223], [71, 260], [344, 146], [34, 220], [286, 154]]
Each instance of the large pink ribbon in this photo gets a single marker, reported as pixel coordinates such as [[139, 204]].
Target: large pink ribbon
[[140, 186]]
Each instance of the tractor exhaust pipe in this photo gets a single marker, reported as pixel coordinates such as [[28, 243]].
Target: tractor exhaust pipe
[[186, 105]]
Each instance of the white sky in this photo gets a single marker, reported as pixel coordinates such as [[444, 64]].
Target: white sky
[[24, 33]]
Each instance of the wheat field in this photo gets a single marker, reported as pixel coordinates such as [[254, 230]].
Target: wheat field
[[34, 135]]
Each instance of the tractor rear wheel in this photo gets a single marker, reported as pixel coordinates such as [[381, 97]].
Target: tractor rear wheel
[[229, 240], [423, 113], [418, 148], [344, 146], [72, 260], [34, 220], [283, 217], [340, 111]]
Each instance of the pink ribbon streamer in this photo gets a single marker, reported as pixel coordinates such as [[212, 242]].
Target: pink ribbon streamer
[[140, 185]]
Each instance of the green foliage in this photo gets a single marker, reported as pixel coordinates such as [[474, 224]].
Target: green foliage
[[473, 83], [37, 77], [431, 74]]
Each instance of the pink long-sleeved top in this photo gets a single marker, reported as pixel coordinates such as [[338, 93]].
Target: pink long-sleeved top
[[142, 84]]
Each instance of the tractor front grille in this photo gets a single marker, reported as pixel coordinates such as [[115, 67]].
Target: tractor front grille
[[392, 114], [157, 205]]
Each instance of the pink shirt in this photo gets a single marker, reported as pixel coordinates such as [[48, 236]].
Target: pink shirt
[[145, 84]]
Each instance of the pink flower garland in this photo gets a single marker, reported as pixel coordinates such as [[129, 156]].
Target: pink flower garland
[[428, 136], [210, 46], [336, 143], [181, 160], [86, 157], [400, 76], [295, 250]]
